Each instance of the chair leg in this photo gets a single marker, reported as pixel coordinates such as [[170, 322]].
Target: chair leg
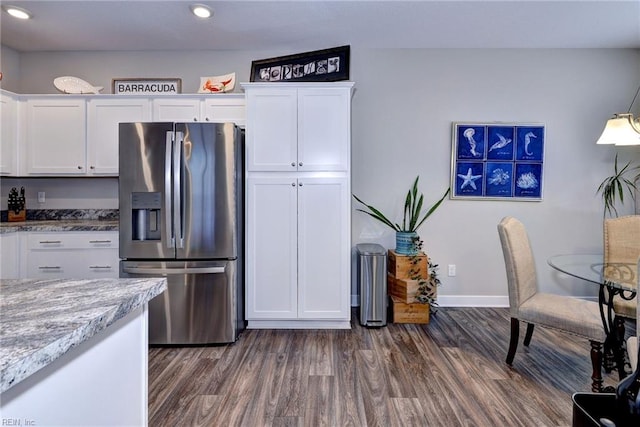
[[513, 343], [596, 363], [618, 321], [528, 334]]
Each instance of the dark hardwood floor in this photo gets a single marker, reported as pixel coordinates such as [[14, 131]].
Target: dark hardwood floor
[[450, 372]]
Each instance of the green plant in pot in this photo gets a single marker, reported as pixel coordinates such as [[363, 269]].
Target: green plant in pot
[[406, 233], [613, 188]]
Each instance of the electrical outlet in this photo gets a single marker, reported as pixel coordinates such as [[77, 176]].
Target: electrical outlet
[[41, 197], [452, 270]]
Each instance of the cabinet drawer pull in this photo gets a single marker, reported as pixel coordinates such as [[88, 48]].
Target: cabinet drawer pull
[[47, 267], [48, 242], [100, 266], [99, 241]]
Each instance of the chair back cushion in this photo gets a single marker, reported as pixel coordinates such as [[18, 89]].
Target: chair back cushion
[[519, 262], [622, 244]]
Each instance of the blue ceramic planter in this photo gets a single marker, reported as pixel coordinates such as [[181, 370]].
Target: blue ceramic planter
[[405, 243]]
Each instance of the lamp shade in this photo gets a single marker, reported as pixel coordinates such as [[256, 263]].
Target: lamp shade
[[620, 131]]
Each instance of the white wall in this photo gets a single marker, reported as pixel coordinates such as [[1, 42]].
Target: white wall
[[10, 67], [404, 103], [64, 193]]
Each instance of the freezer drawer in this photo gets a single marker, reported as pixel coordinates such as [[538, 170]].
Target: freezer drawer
[[203, 303]]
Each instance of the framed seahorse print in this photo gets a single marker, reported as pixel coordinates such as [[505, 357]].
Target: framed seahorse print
[[497, 161]]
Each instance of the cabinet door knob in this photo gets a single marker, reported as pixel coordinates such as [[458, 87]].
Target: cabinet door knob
[[206, 119], [293, 164], [300, 184], [80, 167], [293, 184], [92, 167], [195, 119], [300, 164]]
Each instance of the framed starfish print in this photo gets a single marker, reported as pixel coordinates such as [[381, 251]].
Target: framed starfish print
[[497, 161]]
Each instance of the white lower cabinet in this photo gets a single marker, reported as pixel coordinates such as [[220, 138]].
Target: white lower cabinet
[[10, 259], [72, 254], [298, 240]]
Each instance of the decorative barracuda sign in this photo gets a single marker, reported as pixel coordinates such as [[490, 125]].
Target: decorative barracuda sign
[[146, 86]]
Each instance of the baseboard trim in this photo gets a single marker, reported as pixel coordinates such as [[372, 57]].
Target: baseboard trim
[[460, 301], [468, 300]]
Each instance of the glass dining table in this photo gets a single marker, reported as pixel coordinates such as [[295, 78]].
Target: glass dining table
[[613, 280]]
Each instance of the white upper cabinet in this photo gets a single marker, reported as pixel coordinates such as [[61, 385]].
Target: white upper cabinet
[[103, 118], [225, 108], [220, 108], [324, 123], [55, 136], [176, 110], [9, 134], [77, 135], [298, 129], [272, 132]]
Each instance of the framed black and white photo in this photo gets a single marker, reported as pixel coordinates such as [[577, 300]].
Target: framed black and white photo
[[327, 65], [498, 161]]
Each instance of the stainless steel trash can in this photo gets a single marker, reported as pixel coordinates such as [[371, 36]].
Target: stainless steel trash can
[[372, 284]]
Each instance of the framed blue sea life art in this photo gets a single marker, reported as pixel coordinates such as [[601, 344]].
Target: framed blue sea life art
[[497, 161]]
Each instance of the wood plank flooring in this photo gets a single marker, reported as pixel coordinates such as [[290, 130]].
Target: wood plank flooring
[[450, 372]]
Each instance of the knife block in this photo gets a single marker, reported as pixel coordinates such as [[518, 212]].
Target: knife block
[[17, 216]]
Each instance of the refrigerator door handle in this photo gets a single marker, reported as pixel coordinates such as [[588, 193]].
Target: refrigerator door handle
[[171, 243], [194, 270], [177, 189]]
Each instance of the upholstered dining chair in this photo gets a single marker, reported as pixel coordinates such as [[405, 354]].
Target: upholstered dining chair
[[622, 245], [567, 314], [632, 343]]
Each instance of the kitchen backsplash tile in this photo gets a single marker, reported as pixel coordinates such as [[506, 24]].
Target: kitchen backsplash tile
[[66, 214]]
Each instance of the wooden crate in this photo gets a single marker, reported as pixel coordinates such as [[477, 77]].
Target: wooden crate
[[406, 266], [404, 290], [409, 313]]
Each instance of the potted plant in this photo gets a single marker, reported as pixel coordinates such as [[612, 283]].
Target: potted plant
[[406, 233], [614, 187], [427, 286]]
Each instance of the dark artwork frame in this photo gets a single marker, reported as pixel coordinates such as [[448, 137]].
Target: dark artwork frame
[[326, 65], [497, 161]]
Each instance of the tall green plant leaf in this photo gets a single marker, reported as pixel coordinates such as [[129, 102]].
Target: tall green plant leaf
[[413, 204], [613, 187]]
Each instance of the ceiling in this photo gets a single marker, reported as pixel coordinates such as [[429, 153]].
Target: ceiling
[[307, 24]]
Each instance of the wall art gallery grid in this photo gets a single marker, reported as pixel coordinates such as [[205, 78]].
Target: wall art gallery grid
[[499, 161]]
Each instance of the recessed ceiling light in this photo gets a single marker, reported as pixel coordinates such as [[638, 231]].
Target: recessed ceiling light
[[17, 12], [201, 11]]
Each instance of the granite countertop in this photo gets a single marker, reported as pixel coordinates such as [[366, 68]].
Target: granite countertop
[[40, 320], [60, 225]]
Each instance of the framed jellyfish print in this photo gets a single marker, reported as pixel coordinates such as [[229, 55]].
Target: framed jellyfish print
[[497, 161]]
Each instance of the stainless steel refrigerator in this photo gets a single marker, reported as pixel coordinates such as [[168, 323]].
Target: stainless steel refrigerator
[[181, 217]]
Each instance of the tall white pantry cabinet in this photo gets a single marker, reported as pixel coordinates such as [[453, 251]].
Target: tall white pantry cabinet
[[298, 204]]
